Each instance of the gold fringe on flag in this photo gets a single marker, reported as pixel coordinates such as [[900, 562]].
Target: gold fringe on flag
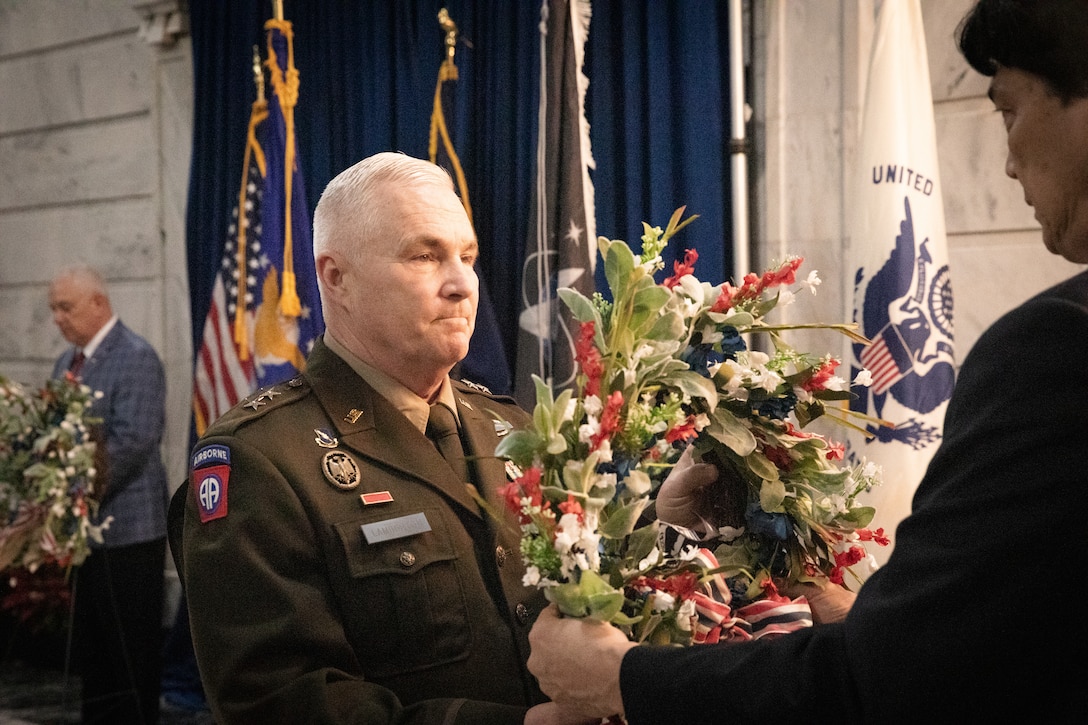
[[286, 88]]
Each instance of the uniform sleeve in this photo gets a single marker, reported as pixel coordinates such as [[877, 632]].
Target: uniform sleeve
[[268, 636], [968, 620]]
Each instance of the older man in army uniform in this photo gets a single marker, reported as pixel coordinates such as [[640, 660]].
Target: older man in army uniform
[[337, 561]]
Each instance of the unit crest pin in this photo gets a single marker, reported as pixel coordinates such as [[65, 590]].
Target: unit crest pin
[[340, 470]]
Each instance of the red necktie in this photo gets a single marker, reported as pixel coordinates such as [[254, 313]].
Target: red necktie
[[77, 363]]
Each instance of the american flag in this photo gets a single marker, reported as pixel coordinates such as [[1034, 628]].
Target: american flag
[[887, 359], [265, 311], [224, 373]]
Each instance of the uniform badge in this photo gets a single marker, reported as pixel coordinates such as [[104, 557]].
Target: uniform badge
[[353, 415], [477, 387], [210, 456], [465, 403], [512, 471], [209, 474], [376, 497], [325, 438], [209, 485], [501, 427], [340, 470]]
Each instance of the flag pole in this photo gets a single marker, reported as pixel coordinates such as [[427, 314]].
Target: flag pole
[[439, 131]]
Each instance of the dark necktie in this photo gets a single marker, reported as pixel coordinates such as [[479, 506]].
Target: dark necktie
[[442, 430], [77, 363]]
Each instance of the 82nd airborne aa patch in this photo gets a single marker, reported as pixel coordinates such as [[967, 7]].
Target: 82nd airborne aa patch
[[209, 478]]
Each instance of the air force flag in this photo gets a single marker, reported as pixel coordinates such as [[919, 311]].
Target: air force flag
[[899, 266]]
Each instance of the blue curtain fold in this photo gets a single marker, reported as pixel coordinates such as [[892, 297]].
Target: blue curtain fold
[[657, 106]]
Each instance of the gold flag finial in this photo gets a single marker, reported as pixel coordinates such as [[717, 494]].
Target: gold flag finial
[[277, 9], [450, 28]]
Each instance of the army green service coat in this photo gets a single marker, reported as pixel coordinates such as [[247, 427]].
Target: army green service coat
[[297, 615]]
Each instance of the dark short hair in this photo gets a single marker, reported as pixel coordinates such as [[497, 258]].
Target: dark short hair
[[1048, 38]]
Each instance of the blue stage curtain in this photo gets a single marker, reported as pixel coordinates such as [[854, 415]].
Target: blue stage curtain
[[657, 106]]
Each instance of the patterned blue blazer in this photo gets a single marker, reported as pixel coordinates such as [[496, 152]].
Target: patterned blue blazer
[[128, 373]]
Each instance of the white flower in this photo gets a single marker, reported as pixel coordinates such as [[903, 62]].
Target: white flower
[[864, 378], [686, 614], [572, 405], [661, 601], [812, 281], [835, 383], [652, 559], [638, 482], [593, 405], [532, 576]]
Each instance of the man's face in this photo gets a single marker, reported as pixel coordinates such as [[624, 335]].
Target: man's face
[[78, 311], [1048, 155], [412, 292]]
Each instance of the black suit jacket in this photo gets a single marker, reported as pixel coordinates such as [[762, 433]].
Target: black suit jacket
[[298, 616], [975, 616]]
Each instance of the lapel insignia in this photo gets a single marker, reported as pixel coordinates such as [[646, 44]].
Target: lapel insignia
[[295, 382], [270, 393], [376, 497], [512, 471], [501, 427], [255, 403], [353, 415], [325, 438], [340, 470], [465, 403], [476, 386]]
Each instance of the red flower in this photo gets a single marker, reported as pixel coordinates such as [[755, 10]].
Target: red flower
[[573, 506], [610, 420], [527, 486], [680, 269], [588, 357], [682, 432], [780, 457], [819, 379], [681, 585], [849, 557], [725, 298], [877, 536], [836, 452]]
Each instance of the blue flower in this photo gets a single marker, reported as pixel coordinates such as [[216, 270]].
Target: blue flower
[[761, 523], [732, 342], [779, 407], [698, 357]]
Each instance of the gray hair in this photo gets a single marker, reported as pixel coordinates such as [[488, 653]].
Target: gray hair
[[86, 276], [349, 208]]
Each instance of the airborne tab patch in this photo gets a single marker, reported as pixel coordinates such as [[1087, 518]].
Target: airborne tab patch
[[211, 455]]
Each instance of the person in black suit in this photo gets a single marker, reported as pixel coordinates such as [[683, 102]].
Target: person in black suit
[[118, 590], [337, 562], [972, 618]]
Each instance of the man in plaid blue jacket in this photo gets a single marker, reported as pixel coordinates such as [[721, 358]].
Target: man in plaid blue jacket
[[118, 590]]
